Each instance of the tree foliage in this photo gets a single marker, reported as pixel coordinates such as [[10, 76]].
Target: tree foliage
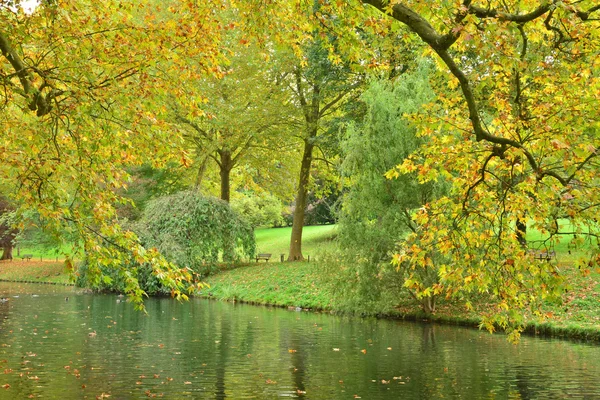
[[519, 141], [376, 212], [241, 111], [82, 84], [259, 209]]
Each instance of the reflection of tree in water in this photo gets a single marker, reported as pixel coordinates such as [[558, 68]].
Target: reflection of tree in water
[[528, 381], [222, 358], [298, 367], [428, 343], [4, 307]]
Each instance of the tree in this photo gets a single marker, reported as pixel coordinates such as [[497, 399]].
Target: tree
[[320, 86], [376, 212], [518, 141], [195, 231], [244, 107], [515, 130], [81, 101], [8, 232]]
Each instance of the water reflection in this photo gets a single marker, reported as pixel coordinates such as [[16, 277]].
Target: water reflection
[[212, 350]]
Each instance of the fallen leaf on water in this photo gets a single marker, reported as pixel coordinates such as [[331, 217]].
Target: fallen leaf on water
[[336, 349], [301, 391], [156, 376], [270, 382], [357, 396], [187, 383], [385, 382], [364, 351], [389, 348], [292, 351], [6, 386], [138, 383]]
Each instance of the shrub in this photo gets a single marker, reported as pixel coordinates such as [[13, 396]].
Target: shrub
[[259, 209], [189, 230]]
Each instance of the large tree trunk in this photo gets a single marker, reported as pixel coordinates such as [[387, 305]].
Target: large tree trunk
[[7, 253], [299, 211], [225, 165]]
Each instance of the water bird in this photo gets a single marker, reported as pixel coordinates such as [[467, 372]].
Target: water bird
[[4, 300], [67, 298]]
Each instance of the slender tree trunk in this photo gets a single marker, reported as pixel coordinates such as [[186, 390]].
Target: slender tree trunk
[[200, 175], [225, 165], [299, 211], [522, 232], [7, 253]]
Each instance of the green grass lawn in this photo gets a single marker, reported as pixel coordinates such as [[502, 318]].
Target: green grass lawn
[[315, 240], [40, 252], [566, 252], [34, 271]]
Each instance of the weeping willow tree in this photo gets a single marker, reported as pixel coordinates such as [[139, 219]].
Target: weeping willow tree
[[377, 211]]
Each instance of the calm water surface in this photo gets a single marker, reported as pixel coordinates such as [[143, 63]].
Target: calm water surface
[[213, 350]]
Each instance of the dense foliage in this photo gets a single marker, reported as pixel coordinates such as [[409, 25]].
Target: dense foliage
[[259, 209], [195, 231], [376, 212], [86, 97]]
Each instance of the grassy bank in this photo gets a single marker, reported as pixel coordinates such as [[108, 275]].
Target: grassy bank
[[310, 285], [34, 271], [305, 285], [315, 240]]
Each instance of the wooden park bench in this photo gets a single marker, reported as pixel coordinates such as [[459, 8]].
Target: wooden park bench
[[543, 255], [27, 257], [263, 256]]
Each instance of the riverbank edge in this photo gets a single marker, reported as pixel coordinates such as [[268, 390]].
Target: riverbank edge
[[41, 282], [533, 329], [537, 329]]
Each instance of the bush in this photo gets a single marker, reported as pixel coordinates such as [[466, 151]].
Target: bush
[[189, 230], [192, 231], [261, 209]]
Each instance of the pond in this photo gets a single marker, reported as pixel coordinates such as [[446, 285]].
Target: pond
[[95, 346]]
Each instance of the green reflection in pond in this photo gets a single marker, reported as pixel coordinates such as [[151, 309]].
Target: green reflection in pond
[[90, 345]]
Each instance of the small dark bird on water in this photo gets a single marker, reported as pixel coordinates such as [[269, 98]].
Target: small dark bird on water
[[67, 298]]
